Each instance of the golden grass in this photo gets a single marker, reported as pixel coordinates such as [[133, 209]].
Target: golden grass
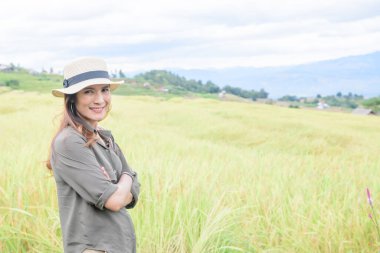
[[216, 176]]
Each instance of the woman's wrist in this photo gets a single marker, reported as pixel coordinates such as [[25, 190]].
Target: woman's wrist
[[127, 173], [125, 182]]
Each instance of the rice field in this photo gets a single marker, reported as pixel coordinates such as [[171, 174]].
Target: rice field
[[216, 176]]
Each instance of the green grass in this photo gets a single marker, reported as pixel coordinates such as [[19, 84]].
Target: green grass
[[29, 82], [216, 176]]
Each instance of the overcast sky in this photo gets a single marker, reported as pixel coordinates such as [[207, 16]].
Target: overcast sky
[[144, 35]]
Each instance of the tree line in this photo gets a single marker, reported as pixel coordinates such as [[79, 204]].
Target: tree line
[[349, 100], [163, 77]]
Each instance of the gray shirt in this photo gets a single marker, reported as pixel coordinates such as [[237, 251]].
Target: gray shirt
[[83, 188]]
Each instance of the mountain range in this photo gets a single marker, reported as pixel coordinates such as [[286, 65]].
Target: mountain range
[[356, 74]]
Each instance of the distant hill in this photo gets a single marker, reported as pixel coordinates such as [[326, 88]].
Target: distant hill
[[356, 74], [180, 85], [152, 83]]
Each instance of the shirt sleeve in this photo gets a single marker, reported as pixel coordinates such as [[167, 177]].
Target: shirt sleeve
[[77, 165], [135, 189]]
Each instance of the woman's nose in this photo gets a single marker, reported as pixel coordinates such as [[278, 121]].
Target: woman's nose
[[99, 98]]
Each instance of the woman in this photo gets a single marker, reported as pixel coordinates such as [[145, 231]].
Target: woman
[[95, 185]]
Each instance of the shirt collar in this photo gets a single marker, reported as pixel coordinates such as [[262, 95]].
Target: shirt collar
[[104, 132], [106, 137]]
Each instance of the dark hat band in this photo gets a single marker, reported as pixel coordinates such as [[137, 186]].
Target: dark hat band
[[85, 76]]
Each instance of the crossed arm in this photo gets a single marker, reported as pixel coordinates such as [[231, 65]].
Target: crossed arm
[[77, 166], [122, 196]]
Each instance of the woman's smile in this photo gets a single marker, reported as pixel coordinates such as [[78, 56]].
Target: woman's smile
[[97, 109]]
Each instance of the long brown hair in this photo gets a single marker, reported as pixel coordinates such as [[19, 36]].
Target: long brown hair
[[71, 118]]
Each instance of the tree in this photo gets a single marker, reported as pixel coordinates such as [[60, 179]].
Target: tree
[[263, 94], [121, 74], [12, 67], [12, 83], [211, 87], [372, 103], [349, 95]]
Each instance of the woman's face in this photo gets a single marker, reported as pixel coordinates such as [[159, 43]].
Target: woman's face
[[93, 102]]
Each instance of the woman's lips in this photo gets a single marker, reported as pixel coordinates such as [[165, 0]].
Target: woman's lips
[[97, 109]]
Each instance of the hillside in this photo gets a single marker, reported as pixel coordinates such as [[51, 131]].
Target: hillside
[[22, 79], [152, 83]]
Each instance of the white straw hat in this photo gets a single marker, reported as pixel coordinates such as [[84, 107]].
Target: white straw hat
[[82, 73]]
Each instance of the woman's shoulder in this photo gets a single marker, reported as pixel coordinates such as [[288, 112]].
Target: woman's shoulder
[[67, 137]]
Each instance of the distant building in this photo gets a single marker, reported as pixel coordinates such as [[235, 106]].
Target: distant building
[[163, 89], [222, 94], [363, 111], [322, 105], [146, 85], [5, 68]]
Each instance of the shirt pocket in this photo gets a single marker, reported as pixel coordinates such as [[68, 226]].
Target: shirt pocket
[[106, 168]]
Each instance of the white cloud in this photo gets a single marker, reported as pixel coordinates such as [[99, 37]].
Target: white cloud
[[187, 34]]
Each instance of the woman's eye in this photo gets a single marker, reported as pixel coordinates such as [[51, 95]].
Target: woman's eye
[[106, 90], [87, 91]]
